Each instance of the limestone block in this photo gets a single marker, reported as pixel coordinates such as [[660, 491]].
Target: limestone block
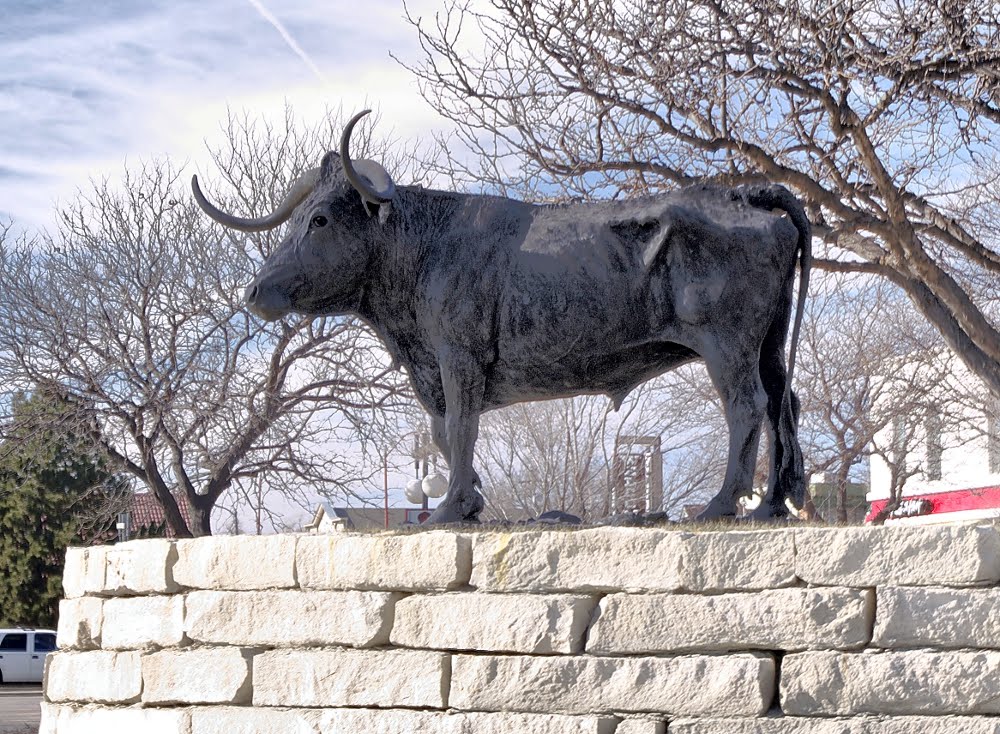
[[201, 675], [140, 567], [285, 618], [526, 623], [737, 560], [142, 622], [641, 726], [957, 555], [911, 682], [937, 617], [83, 572], [384, 721], [695, 685], [236, 563], [419, 562], [596, 559], [777, 619], [63, 719], [80, 623], [853, 725], [384, 678], [97, 676], [247, 720]]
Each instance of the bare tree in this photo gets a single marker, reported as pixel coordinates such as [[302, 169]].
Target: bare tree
[[882, 114], [132, 313]]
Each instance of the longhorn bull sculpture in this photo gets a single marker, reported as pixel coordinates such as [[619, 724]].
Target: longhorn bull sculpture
[[489, 301]]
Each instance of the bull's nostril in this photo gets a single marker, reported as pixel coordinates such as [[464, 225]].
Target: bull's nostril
[[252, 294]]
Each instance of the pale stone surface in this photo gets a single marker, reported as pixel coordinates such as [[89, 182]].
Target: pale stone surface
[[853, 725], [641, 726], [374, 721], [93, 677], [247, 720], [959, 555], [286, 618], [693, 685], [142, 622], [83, 572], [202, 675], [236, 563], [737, 560], [385, 678], [900, 683], [431, 560], [596, 559], [777, 619], [80, 623], [527, 623], [140, 567], [64, 719], [937, 617]]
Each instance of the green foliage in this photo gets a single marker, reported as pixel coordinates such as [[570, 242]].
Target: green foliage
[[48, 486]]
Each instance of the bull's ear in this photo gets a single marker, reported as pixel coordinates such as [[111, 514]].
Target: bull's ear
[[330, 165]]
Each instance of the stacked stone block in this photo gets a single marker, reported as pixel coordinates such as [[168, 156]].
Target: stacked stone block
[[595, 631]]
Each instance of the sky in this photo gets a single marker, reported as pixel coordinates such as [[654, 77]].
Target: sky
[[87, 86]]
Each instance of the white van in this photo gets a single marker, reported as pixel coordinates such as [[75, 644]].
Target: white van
[[22, 654]]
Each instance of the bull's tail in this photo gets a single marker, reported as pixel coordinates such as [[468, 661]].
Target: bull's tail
[[775, 196]]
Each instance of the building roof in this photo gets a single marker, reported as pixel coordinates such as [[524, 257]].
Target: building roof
[[145, 510], [359, 518]]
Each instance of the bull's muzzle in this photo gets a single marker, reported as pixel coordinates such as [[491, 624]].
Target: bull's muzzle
[[265, 302]]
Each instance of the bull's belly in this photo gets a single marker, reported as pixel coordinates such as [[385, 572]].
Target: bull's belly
[[612, 373]]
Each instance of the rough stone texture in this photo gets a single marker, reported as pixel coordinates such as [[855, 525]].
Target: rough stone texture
[[898, 555], [93, 677], [779, 619], [526, 623], [641, 726], [236, 563], [856, 725], [142, 622], [938, 617], [284, 618], [733, 685], [384, 678], [596, 559], [204, 675], [246, 720], [902, 683], [434, 560], [83, 572], [373, 721], [737, 560], [80, 623], [63, 719], [140, 567]]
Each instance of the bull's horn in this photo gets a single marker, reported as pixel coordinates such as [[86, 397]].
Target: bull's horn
[[381, 188], [299, 190]]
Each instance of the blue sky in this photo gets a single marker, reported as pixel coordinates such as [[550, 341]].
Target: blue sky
[[86, 85]]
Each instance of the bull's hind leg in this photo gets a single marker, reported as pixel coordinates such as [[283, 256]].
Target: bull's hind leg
[[439, 435], [743, 400], [786, 477]]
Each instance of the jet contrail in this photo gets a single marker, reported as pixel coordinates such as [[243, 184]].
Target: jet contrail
[[270, 18]]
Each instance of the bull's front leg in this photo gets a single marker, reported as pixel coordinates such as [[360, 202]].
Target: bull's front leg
[[463, 383]]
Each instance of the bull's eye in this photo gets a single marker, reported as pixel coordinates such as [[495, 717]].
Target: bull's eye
[[319, 221]]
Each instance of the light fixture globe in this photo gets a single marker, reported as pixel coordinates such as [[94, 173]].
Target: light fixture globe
[[414, 492], [435, 485]]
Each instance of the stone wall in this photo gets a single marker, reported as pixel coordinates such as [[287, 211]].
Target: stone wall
[[597, 631]]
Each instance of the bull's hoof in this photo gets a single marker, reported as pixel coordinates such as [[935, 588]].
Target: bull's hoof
[[714, 513], [466, 509]]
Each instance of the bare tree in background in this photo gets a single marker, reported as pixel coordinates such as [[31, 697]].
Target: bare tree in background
[[132, 313], [857, 332], [882, 114]]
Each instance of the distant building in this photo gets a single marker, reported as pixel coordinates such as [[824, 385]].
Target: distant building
[[951, 456], [824, 497], [145, 518], [330, 519]]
